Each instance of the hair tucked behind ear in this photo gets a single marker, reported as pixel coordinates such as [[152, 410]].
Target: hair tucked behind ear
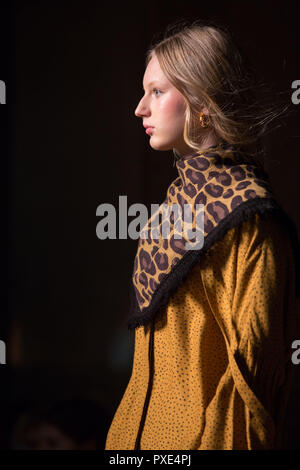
[[203, 62]]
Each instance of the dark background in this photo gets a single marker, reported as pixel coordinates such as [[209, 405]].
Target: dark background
[[70, 142]]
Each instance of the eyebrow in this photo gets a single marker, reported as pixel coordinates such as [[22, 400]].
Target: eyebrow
[[151, 83]]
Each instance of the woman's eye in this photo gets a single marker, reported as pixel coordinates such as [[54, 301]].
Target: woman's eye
[[155, 89]]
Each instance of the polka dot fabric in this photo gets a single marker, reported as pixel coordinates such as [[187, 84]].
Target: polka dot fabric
[[222, 351]]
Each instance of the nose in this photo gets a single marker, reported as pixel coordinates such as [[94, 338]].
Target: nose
[[142, 109]]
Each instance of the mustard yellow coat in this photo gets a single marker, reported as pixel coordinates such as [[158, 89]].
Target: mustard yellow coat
[[222, 367]]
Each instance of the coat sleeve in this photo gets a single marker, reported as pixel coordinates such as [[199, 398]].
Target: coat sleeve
[[252, 296]]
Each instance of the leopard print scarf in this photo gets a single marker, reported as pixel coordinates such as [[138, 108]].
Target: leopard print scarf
[[231, 188]]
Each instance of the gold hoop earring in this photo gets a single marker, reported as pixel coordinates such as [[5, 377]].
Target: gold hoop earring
[[204, 121]]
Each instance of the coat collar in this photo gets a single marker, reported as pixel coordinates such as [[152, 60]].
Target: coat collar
[[231, 188]]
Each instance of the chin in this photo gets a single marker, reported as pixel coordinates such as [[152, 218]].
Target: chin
[[160, 146]]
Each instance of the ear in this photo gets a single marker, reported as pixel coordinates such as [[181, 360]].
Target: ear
[[205, 111]]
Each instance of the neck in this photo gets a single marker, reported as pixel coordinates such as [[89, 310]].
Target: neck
[[200, 150]]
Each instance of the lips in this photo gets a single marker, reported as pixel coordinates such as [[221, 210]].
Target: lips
[[149, 130]]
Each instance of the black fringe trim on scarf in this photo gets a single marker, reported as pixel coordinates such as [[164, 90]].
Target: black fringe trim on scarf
[[246, 210]]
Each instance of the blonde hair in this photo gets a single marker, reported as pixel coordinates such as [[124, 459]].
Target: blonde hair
[[208, 68]]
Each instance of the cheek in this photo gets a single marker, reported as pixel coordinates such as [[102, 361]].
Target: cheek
[[173, 109]]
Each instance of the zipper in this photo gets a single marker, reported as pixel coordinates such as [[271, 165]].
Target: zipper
[[137, 445]]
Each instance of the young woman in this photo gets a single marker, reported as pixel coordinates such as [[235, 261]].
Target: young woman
[[214, 323]]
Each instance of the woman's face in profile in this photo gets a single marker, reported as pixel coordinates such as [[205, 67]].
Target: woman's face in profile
[[163, 108]]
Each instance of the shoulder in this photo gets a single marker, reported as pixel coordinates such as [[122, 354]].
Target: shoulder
[[257, 230], [262, 237]]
